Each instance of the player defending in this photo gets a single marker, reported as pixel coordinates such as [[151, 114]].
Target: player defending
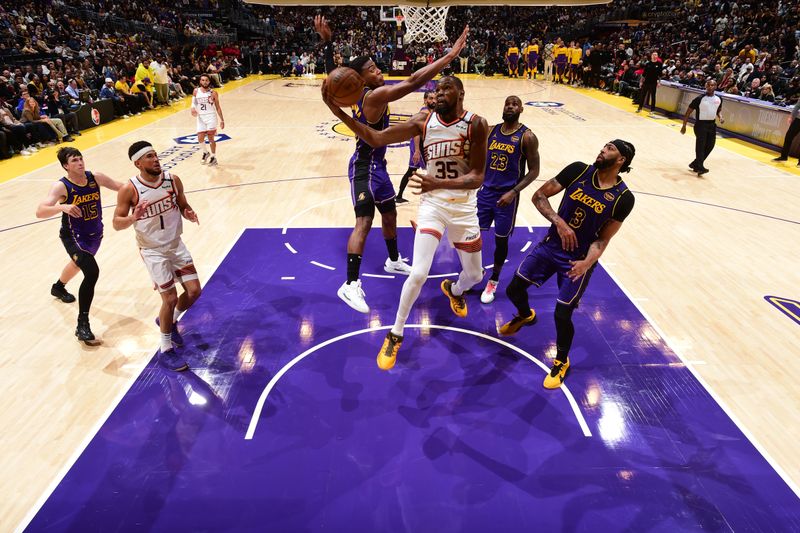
[[454, 146], [416, 161], [370, 184], [595, 203], [511, 145], [77, 197], [153, 202], [205, 106]]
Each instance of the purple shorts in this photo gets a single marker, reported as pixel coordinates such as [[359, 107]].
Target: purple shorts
[[547, 258], [504, 217], [370, 187]]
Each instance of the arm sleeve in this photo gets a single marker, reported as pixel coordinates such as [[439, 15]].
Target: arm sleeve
[[328, 53], [570, 173], [623, 207]]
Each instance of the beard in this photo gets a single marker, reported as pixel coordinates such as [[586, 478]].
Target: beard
[[153, 172], [431, 106], [602, 163], [510, 117], [443, 107]]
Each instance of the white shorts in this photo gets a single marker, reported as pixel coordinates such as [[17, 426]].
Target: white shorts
[[166, 264], [460, 221], [206, 123]]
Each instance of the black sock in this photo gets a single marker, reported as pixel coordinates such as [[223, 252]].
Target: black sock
[[517, 292], [59, 284], [91, 273], [391, 245], [404, 182], [565, 331], [353, 267], [500, 254]]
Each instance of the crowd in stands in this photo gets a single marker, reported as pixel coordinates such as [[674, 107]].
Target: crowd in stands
[[53, 60]]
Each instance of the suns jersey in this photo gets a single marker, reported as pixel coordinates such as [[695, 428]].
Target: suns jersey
[[162, 223], [445, 147], [204, 102]]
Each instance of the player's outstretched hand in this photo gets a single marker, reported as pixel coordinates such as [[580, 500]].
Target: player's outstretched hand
[[138, 211], [460, 43], [569, 241], [578, 269], [191, 216], [321, 27], [420, 181]]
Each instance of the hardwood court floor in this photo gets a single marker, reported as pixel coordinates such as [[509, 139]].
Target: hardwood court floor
[[698, 256]]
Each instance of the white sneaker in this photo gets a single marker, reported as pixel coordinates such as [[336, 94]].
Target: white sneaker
[[24, 152], [487, 296], [400, 266], [353, 295], [32, 149]]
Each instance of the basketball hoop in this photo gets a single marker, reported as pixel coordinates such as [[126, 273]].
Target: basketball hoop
[[399, 18], [425, 24]]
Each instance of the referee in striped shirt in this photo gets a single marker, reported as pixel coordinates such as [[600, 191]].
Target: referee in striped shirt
[[706, 108]]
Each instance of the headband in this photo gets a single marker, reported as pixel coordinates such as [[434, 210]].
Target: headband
[[138, 155]]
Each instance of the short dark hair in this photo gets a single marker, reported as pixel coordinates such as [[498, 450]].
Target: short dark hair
[[458, 83], [358, 63], [65, 153], [135, 147]]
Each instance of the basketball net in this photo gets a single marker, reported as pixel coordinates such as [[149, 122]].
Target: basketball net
[[425, 24]]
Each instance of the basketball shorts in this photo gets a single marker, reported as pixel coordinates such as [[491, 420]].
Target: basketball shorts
[[561, 65], [206, 123], [420, 164], [169, 263], [533, 59], [370, 187], [460, 220], [77, 245], [546, 259], [504, 217]]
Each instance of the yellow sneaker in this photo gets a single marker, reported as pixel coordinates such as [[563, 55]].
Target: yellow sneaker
[[388, 354], [516, 323], [557, 374], [457, 303]]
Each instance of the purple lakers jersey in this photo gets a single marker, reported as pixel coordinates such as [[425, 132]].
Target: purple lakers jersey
[[586, 207], [505, 160], [87, 198], [365, 152]]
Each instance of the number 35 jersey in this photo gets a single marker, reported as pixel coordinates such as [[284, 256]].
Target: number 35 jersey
[[586, 207], [445, 147], [161, 224]]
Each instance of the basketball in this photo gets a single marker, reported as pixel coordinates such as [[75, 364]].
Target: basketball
[[345, 86]]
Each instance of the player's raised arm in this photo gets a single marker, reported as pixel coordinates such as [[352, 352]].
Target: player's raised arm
[[108, 182], [391, 93]]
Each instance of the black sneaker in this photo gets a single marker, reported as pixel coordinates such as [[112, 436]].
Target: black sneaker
[[60, 292], [400, 200], [84, 333], [171, 360], [701, 170], [693, 166], [781, 159]]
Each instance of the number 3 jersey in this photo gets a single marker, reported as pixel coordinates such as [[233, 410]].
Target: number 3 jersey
[[87, 198], [586, 208], [161, 224], [445, 146]]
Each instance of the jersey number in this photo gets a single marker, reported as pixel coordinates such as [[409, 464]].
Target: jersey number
[[89, 211], [202, 107], [577, 218], [446, 170], [499, 162]]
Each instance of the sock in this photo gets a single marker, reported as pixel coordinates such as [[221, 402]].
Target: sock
[[176, 314], [353, 267], [391, 245], [166, 342], [404, 182], [500, 254]]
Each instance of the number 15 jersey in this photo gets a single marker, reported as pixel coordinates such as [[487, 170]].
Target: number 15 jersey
[[445, 146]]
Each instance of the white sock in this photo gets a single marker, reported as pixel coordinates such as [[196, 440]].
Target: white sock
[[166, 342], [176, 314], [424, 249]]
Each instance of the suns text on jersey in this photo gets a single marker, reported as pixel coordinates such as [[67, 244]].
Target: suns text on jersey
[[452, 148]]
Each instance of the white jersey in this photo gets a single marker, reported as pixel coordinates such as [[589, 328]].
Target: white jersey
[[162, 224], [204, 103], [445, 147]]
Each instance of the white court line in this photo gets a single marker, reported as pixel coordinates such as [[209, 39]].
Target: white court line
[[102, 420], [251, 428], [322, 265], [304, 211], [527, 245], [525, 222], [287, 277], [690, 365], [386, 276], [289, 246]]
